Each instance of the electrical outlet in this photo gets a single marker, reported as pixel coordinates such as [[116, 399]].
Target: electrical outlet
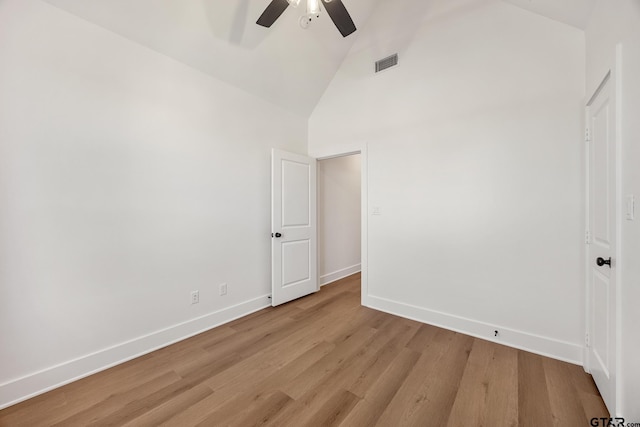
[[223, 289], [195, 297]]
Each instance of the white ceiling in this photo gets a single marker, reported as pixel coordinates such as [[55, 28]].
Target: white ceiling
[[284, 64], [572, 12]]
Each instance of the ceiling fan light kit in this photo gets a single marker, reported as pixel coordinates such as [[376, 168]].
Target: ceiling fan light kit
[[335, 9], [313, 7]]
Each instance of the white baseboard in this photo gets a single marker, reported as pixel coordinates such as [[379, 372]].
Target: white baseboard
[[561, 350], [24, 388], [340, 274]]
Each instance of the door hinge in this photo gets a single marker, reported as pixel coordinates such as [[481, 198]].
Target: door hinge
[[586, 339], [587, 135], [587, 237]]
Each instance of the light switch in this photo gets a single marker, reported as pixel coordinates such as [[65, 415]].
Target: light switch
[[631, 207], [376, 210]]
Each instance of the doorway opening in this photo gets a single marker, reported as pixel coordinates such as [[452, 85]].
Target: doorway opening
[[339, 217]]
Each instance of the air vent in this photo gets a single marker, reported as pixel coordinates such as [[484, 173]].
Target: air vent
[[387, 62]]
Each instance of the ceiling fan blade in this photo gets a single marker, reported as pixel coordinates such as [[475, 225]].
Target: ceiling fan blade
[[272, 12], [340, 17]]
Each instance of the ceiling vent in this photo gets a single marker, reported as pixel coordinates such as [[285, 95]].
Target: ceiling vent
[[387, 62]]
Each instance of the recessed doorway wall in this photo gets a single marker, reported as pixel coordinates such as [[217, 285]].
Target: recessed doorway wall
[[339, 192]]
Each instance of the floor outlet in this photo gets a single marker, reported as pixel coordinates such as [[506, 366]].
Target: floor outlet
[[195, 297]]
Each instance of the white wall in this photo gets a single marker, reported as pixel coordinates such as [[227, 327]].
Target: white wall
[[615, 23], [474, 161], [338, 217], [126, 181]]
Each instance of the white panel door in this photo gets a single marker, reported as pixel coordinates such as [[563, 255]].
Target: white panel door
[[602, 217], [293, 226]]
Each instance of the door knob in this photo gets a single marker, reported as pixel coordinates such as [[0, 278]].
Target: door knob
[[601, 261], [278, 235]]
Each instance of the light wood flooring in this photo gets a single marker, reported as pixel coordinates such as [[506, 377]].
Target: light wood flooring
[[324, 360]]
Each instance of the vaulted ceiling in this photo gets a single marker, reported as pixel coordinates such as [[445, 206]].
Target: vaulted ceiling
[[284, 64], [572, 12]]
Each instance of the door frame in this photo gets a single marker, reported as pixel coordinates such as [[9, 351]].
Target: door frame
[[364, 227], [611, 76]]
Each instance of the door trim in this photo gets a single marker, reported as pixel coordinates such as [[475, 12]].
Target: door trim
[[617, 89]]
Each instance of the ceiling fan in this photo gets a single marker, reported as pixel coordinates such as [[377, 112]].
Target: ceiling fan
[[336, 10]]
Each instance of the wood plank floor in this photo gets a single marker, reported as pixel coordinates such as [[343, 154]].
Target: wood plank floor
[[324, 360]]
